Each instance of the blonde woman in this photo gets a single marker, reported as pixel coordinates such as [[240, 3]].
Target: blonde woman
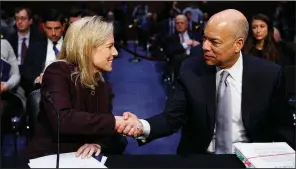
[[80, 94]]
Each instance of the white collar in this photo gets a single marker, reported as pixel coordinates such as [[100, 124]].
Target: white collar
[[236, 70]]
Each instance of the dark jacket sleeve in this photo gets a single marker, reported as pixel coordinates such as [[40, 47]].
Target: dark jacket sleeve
[[173, 46], [174, 115], [114, 145], [282, 116], [57, 81], [33, 65]]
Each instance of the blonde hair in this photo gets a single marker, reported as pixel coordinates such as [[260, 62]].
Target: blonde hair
[[81, 38]]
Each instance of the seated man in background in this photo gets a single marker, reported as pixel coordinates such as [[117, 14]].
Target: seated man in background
[[178, 46]]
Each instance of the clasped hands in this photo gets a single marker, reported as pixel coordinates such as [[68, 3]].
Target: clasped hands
[[128, 124]]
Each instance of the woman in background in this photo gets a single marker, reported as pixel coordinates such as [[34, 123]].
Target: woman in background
[[261, 42], [74, 85]]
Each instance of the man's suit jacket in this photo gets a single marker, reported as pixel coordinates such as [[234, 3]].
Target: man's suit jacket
[[34, 64], [266, 114], [194, 26], [173, 45], [163, 28], [34, 36], [85, 115]]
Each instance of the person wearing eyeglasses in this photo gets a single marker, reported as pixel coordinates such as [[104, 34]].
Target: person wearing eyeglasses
[[24, 36]]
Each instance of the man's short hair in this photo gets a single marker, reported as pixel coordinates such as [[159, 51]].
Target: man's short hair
[[75, 12], [54, 15], [28, 10]]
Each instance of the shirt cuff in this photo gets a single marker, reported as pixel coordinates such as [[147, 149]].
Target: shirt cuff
[[146, 130], [185, 46]]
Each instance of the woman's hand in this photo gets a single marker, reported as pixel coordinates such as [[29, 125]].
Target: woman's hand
[[87, 150]]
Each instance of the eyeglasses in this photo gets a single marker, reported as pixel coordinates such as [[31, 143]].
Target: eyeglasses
[[181, 23], [21, 18]]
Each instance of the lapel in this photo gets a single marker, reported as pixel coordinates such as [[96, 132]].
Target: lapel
[[14, 44], [40, 55], [44, 53], [247, 94], [209, 83], [190, 34]]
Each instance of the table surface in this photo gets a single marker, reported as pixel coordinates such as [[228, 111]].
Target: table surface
[[151, 161]]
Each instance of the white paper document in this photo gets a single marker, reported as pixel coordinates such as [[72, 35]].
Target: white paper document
[[67, 160], [265, 155]]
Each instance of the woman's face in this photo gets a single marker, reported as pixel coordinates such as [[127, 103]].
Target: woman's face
[[103, 55], [259, 29]]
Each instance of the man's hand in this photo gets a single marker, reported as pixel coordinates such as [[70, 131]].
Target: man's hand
[[87, 150], [3, 87], [189, 42], [195, 43], [129, 125], [192, 43], [39, 78]]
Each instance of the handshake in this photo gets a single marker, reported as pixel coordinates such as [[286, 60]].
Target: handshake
[[128, 124]]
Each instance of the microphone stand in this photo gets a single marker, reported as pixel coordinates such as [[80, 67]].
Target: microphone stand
[[49, 99], [58, 135]]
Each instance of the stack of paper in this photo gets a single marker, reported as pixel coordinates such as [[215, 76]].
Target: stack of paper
[[265, 155], [67, 160]]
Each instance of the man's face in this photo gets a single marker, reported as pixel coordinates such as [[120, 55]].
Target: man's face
[[23, 22], [181, 24], [54, 30], [219, 45]]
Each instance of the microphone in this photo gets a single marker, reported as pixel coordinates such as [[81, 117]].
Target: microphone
[[49, 99]]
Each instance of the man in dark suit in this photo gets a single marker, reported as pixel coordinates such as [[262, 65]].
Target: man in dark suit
[[222, 98], [166, 27], [178, 46], [23, 39], [192, 26], [37, 60]]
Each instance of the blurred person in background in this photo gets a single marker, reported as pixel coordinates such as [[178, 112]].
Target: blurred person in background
[[140, 18], [260, 42], [192, 26], [44, 53], [12, 100], [178, 46], [287, 48], [25, 36], [5, 27], [195, 11], [117, 27]]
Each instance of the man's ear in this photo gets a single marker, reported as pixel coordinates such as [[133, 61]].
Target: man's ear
[[64, 26], [239, 44]]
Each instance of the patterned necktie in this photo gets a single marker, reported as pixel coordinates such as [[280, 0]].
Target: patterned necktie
[[182, 37], [55, 49], [23, 51], [223, 144]]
